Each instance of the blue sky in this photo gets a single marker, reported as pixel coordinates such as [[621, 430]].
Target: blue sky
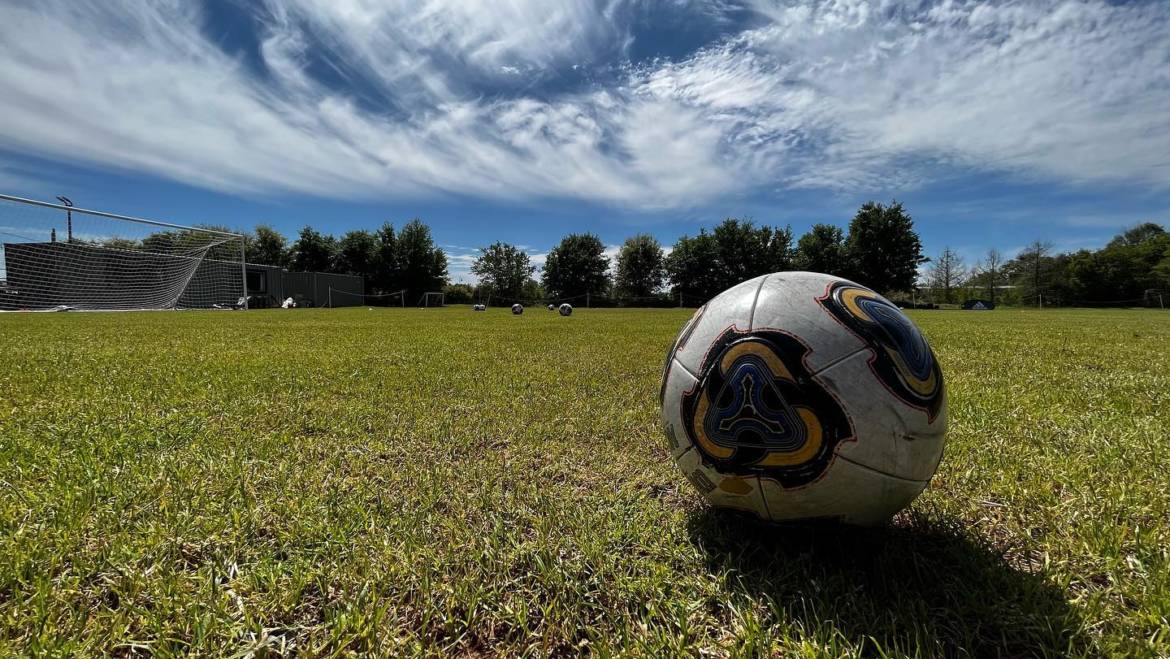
[[996, 123]]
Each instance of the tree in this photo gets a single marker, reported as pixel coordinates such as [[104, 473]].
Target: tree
[[747, 251], [266, 246], [990, 270], [532, 290], [313, 252], [822, 249], [1033, 258], [883, 249], [1129, 270], [737, 250], [1124, 269], [1094, 277], [387, 273], [1162, 269], [576, 266], [357, 254], [113, 242], [458, 294], [693, 267], [947, 272], [640, 266], [422, 266], [160, 242], [1138, 235], [504, 269]]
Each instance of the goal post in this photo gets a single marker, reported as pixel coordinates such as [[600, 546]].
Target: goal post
[[58, 257], [432, 299]]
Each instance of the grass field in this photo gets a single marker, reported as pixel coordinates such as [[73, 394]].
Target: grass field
[[325, 482]]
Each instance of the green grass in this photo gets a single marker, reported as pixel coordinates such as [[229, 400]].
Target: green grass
[[436, 482]]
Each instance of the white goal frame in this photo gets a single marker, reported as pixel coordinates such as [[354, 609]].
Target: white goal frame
[[424, 302], [113, 262]]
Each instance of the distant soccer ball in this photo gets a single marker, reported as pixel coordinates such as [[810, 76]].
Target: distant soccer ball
[[517, 309], [566, 309], [552, 307], [803, 396], [479, 307]]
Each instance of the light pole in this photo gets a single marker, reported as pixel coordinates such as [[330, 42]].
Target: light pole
[[68, 217]]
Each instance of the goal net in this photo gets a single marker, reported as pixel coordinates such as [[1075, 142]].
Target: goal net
[[432, 299], [54, 256]]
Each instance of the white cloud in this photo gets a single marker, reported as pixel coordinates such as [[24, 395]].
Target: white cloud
[[833, 94], [495, 39], [854, 93], [537, 259], [459, 260], [611, 253]]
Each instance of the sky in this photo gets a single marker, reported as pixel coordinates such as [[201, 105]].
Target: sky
[[995, 123]]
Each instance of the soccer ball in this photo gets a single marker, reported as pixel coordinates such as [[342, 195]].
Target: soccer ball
[[566, 309], [517, 309], [479, 307], [552, 307], [798, 396]]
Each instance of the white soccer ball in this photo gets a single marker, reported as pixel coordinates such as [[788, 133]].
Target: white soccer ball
[[517, 309], [797, 395], [566, 309], [552, 307], [479, 307]]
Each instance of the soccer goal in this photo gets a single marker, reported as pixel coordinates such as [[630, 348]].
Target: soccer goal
[[340, 298], [432, 299], [58, 257]]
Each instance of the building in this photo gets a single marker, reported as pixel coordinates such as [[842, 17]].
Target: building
[[270, 285]]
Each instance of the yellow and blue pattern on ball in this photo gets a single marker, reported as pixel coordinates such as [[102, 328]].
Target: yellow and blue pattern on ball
[[902, 361], [758, 411]]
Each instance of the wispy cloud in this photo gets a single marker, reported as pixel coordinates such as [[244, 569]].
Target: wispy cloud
[[537, 259], [530, 100], [459, 261], [849, 93]]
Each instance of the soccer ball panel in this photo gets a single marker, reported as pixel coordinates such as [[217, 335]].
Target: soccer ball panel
[[789, 301], [722, 490], [731, 308], [758, 410], [848, 492], [676, 382], [892, 436]]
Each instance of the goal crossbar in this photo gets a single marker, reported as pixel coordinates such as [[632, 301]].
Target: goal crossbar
[[115, 216], [425, 300]]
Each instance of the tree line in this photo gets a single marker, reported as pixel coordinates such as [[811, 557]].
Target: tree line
[[388, 260], [1133, 269], [879, 249]]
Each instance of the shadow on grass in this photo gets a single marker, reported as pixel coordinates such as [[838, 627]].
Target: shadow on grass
[[920, 588]]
